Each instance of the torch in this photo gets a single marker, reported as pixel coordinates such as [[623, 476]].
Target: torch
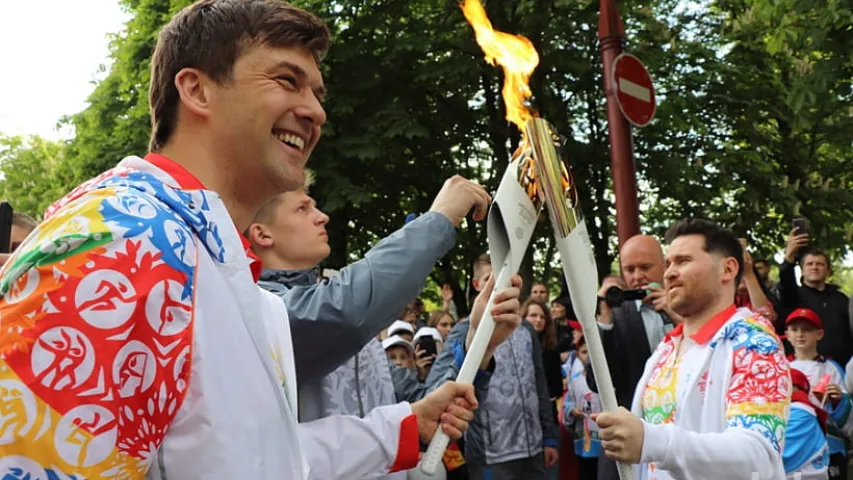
[[561, 195], [512, 218], [536, 173]]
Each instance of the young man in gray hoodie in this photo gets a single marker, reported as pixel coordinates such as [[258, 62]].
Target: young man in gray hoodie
[[289, 236]]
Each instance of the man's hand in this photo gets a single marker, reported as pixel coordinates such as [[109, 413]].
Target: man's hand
[[748, 269], [505, 313], [446, 294], [659, 299], [552, 456], [621, 435], [605, 313], [457, 197], [795, 243], [452, 405]]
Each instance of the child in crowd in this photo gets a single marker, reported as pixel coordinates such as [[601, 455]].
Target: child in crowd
[[399, 351], [803, 329], [402, 329], [580, 404], [806, 454]]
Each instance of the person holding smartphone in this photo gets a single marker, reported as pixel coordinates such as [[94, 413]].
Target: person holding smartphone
[[816, 293]]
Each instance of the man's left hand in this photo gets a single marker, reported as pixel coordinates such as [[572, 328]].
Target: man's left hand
[[452, 405], [552, 456], [621, 435]]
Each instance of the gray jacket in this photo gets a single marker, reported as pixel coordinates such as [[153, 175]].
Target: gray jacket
[[343, 314], [516, 419]]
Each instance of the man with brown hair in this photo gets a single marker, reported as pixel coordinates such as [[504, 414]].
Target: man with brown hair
[[136, 341]]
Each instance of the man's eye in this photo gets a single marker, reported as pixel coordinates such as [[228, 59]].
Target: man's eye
[[288, 80]]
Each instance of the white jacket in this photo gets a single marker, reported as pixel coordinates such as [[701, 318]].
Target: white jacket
[[730, 423], [144, 348]]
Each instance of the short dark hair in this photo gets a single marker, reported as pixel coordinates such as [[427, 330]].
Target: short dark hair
[[815, 252], [717, 239], [211, 35], [761, 260]]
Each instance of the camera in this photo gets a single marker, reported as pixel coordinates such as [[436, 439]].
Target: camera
[[615, 296]]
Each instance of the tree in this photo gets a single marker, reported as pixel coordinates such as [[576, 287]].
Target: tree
[[412, 102], [31, 170]]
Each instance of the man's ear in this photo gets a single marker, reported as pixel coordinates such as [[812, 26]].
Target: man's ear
[[194, 91], [730, 269], [259, 235]]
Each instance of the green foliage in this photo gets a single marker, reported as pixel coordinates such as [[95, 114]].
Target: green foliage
[[31, 170], [753, 117]]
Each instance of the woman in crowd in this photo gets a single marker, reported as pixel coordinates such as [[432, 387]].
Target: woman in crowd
[[538, 314], [442, 321]]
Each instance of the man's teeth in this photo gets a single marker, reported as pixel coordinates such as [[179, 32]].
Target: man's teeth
[[292, 140]]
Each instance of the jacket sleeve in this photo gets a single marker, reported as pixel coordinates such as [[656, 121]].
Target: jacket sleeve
[[752, 440], [407, 388], [569, 403], [616, 360], [789, 296], [550, 433], [339, 446], [86, 294], [841, 412], [365, 297], [449, 362]]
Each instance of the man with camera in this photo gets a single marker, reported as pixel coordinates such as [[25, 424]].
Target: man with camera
[[632, 322]]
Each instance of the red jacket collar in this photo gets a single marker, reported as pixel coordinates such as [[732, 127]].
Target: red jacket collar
[[707, 332], [188, 181]]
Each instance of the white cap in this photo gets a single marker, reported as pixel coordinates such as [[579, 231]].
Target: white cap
[[400, 325], [395, 340], [427, 332]]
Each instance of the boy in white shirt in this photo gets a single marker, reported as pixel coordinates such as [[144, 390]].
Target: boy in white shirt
[[804, 329]]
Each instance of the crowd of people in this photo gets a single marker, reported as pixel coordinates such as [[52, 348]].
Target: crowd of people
[[167, 318]]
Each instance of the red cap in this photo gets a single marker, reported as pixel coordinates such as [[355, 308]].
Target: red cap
[[576, 325], [804, 314]]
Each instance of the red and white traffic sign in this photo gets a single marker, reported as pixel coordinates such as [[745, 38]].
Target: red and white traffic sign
[[635, 93]]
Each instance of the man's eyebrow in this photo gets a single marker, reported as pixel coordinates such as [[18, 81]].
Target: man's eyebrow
[[319, 91]]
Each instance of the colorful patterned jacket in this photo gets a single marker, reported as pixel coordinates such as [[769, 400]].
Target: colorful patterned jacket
[[730, 422], [136, 344]]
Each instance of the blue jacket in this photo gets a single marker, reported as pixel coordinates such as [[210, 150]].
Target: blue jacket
[[516, 420]]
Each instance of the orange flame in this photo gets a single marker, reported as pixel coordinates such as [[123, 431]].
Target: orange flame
[[514, 53]]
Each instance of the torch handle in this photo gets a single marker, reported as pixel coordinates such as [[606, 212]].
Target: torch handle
[[579, 269], [473, 359]]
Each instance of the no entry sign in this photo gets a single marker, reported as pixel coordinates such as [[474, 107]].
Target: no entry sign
[[635, 93]]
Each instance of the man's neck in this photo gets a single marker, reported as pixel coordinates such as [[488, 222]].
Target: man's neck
[[801, 354], [820, 286], [273, 262], [693, 323], [216, 175]]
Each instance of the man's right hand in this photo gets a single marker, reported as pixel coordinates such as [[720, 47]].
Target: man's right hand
[[505, 313], [605, 313], [458, 196], [795, 243]]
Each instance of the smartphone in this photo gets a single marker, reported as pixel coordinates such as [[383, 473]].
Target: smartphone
[[427, 344], [800, 225], [5, 226]]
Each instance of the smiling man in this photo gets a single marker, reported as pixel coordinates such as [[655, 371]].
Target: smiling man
[[136, 342], [714, 399]]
